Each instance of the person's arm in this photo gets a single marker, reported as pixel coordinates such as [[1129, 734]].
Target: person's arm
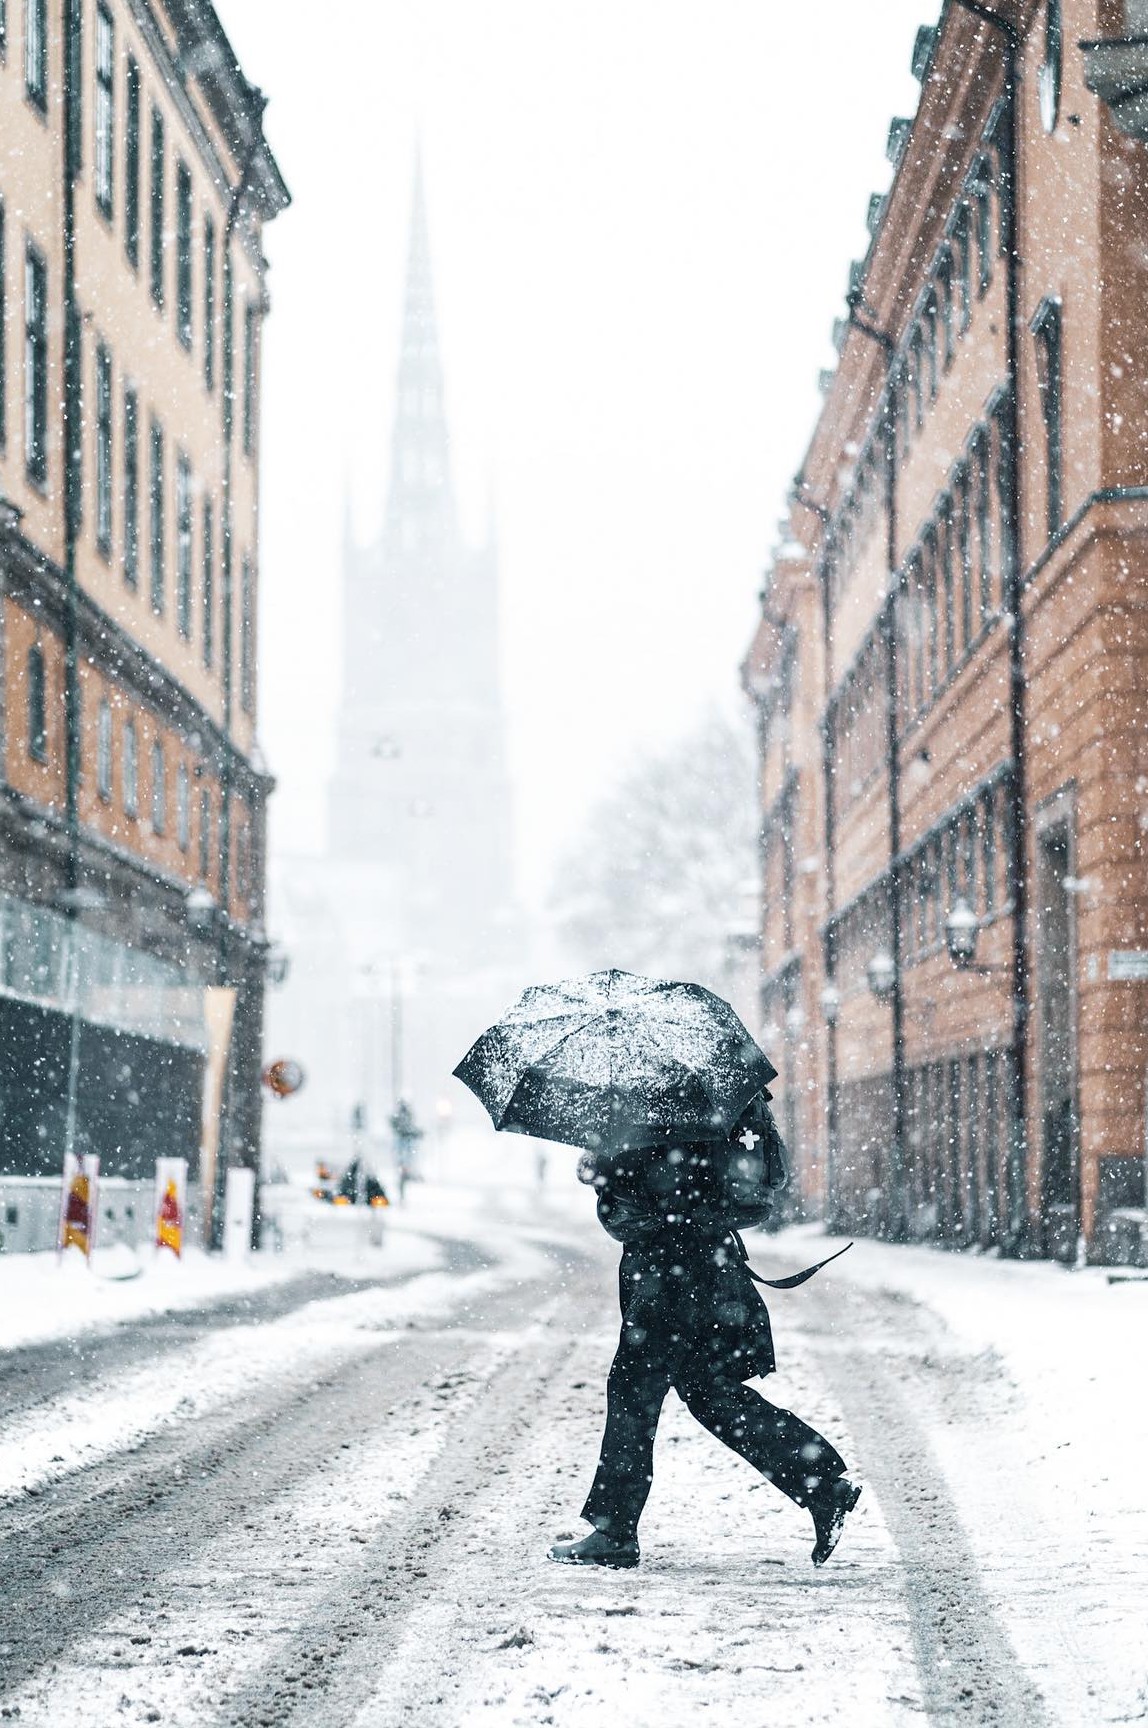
[[625, 1218]]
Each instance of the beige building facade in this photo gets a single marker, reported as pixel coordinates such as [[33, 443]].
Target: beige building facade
[[950, 668], [134, 183]]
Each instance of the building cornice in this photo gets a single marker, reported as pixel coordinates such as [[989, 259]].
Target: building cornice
[[963, 77], [18, 812], [34, 578], [206, 55]]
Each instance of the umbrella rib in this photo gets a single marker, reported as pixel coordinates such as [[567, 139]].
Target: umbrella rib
[[545, 1057]]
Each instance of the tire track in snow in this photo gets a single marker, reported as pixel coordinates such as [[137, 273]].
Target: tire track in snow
[[966, 1665], [84, 1546]]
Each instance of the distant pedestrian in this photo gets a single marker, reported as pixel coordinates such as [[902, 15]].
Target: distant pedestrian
[[407, 1135], [693, 1319]]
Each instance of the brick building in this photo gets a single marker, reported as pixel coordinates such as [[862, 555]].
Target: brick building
[[134, 182], [950, 666]]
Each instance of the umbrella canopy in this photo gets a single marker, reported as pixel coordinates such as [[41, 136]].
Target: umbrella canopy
[[614, 1060]]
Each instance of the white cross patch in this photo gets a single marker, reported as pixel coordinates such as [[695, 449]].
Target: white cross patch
[[748, 1139]]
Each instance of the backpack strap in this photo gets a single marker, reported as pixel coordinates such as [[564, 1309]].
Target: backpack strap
[[795, 1278]]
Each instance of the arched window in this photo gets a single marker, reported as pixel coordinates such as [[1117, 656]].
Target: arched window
[[37, 705], [158, 789]]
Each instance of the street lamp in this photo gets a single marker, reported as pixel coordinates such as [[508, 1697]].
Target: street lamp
[[961, 930], [201, 909], [881, 973], [831, 1004], [277, 964]]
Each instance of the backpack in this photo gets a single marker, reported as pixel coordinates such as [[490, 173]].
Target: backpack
[[751, 1176]]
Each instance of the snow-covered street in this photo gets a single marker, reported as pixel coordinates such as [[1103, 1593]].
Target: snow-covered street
[[322, 1500]]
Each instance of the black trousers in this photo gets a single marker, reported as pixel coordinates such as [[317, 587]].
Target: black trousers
[[790, 1454]]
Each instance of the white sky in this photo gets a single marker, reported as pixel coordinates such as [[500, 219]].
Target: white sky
[[642, 214]]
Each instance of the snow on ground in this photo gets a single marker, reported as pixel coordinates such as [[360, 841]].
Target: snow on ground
[[1052, 1494], [122, 1410], [999, 1412], [43, 1296]]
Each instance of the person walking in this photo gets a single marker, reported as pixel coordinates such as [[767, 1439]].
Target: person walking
[[667, 1093], [693, 1320]]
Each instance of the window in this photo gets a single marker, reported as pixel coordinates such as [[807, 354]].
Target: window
[[982, 209], [246, 634], [182, 807], [105, 109], [963, 269], [184, 545], [132, 165], [964, 556], [242, 860], [37, 705], [183, 307], [36, 51], [931, 622], [917, 375], [228, 339], [131, 771], [74, 38], [1046, 327], [3, 328], [250, 341], [945, 307], [980, 461], [209, 302], [104, 750], [945, 553], [931, 345], [103, 450], [1048, 78], [158, 789], [917, 619], [968, 858], [157, 195], [989, 851], [208, 584], [131, 488], [157, 525], [76, 419], [36, 366], [204, 834]]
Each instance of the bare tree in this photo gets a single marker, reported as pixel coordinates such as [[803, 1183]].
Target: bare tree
[[661, 880]]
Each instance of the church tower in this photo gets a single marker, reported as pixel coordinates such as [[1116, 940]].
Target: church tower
[[420, 789]]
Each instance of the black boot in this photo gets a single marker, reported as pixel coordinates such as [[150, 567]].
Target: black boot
[[598, 1549], [830, 1506]]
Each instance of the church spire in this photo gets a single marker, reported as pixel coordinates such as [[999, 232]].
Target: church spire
[[420, 508]]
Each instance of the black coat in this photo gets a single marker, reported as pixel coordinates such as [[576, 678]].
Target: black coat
[[687, 1299]]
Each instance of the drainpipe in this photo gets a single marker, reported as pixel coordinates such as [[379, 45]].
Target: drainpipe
[[799, 495], [1019, 1239], [234, 207], [72, 446], [896, 1221]]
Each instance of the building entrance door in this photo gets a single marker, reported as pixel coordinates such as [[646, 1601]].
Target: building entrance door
[[1059, 1127]]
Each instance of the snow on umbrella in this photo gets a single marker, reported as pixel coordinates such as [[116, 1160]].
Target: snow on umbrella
[[615, 1060]]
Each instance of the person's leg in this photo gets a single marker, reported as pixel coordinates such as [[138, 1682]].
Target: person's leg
[[791, 1454], [635, 1393]]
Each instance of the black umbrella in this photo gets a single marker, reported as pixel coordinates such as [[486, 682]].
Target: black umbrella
[[615, 1060]]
